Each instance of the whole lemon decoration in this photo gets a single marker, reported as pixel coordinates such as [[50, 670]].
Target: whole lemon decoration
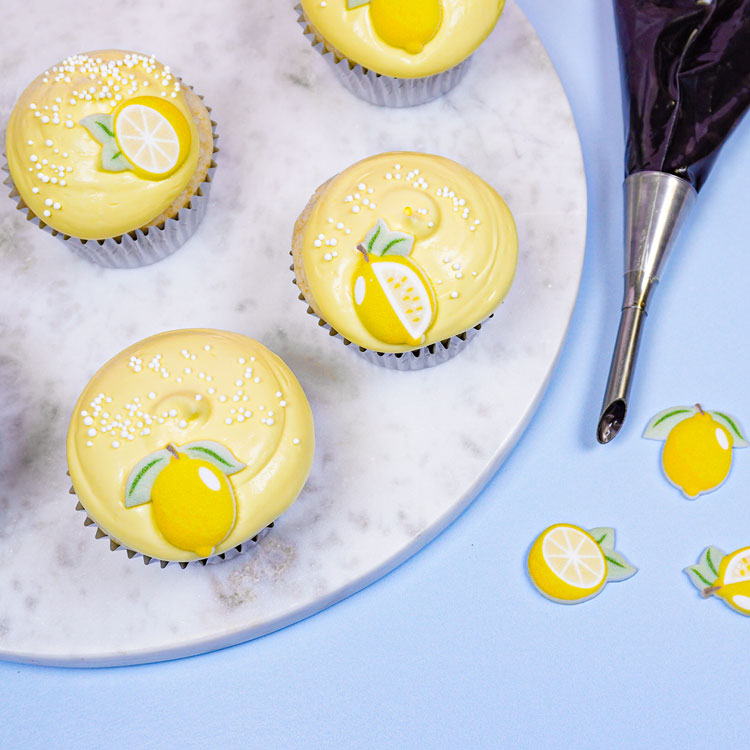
[[697, 453], [406, 24], [569, 565], [192, 497], [193, 504], [724, 576]]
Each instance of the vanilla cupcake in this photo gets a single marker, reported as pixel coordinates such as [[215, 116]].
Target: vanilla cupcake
[[112, 153], [405, 255], [398, 52], [188, 444]]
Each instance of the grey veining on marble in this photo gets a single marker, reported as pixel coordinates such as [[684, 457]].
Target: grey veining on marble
[[285, 126]]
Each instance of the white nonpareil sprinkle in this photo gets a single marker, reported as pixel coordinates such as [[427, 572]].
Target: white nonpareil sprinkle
[[454, 295], [296, 441]]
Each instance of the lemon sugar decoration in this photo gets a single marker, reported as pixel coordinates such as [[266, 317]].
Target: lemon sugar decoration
[[193, 499], [570, 565], [188, 444], [146, 134], [407, 24], [393, 297], [724, 576], [697, 454]]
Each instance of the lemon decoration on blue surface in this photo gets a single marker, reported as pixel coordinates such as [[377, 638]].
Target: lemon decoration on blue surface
[[192, 497], [724, 576], [406, 24], [569, 565], [698, 445]]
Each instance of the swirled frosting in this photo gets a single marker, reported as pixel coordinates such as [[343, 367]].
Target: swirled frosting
[[56, 163], [459, 257], [182, 388], [357, 34]]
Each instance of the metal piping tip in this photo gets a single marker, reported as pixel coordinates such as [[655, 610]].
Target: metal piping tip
[[656, 206]]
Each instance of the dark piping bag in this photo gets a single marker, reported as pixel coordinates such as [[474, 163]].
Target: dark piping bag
[[685, 66]]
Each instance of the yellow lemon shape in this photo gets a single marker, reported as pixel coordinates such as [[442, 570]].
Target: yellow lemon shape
[[153, 135], [394, 299], [406, 24], [697, 454], [734, 580], [193, 505], [566, 564]]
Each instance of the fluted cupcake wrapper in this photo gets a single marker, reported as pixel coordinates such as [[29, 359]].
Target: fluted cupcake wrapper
[[414, 359], [141, 247], [115, 545], [379, 89]]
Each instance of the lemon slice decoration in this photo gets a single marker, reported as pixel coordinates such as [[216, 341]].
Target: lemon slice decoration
[[569, 565], [392, 295], [147, 135], [697, 454], [724, 576], [406, 24], [193, 501]]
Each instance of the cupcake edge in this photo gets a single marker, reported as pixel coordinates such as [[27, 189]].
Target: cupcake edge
[[142, 246], [411, 359], [115, 545], [376, 88]]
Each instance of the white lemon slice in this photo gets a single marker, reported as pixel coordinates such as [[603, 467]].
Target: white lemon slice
[[153, 135], [574, 557]]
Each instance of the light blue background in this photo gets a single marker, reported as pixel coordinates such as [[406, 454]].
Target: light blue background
[[455, 648]]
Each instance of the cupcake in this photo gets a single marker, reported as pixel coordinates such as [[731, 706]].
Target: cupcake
[[398, 52], [110, 152], [188, 444], [405, 255]]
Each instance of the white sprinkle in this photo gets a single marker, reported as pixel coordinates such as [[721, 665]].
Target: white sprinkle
[[222, 398], [88, 443], [33, 157], [228, 420], [115, 443], [340, 225], [187, 371], [56, 205], [296, 441], [47, 212], [69, 123], [241, 361], [172, 412], [182, 424], [454, 295], [88, 420], [48, 202], [151, 394], [317, 243], [355, 209], [269, 422], [35, 190], [282, 403], [211, 391], [207, 347], [91, 431], [198, 397], [238, 382], [48, 142], [256, 379], [456, 266], [459, 275], [327, 256]]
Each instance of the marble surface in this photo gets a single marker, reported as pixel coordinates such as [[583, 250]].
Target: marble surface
[[399, 455]]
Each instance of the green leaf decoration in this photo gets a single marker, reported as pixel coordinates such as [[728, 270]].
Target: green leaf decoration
[[352, 4], [142, 477], [604, 537], [215, 453], [618, 568], [706, 572], [732, 426], [101, 127], [661, 425], [380, 240]]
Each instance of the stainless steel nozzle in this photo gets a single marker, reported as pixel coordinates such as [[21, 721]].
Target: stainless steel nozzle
[[656, 206]]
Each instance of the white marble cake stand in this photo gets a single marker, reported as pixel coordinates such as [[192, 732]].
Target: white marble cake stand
[[399, 455]]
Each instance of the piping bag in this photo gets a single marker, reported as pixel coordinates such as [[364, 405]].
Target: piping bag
[[685, 67]]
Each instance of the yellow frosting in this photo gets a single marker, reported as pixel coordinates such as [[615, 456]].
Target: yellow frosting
[[174, 389], [56, 163], [464, 243], [367, 36]]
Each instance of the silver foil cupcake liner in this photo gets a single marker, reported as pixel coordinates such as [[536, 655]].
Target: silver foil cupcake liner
[[114, 545], [378, 89], [414, 359], [141, 247]]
